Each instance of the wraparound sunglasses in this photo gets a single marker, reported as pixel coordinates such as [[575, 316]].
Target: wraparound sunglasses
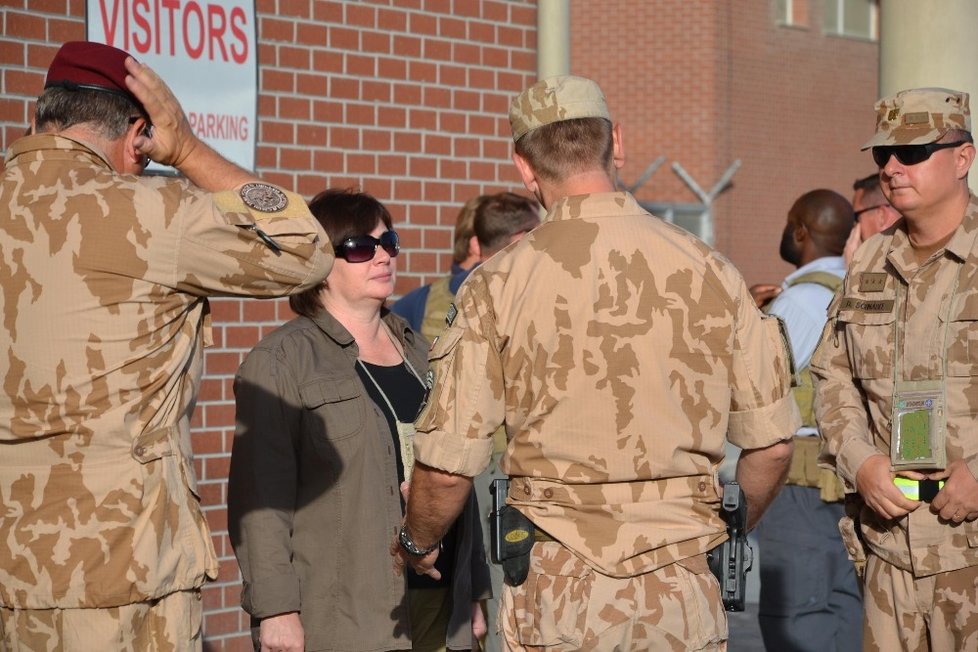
[[361, 248]]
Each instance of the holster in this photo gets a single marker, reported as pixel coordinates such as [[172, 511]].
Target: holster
[[512, 536], [851, 536]]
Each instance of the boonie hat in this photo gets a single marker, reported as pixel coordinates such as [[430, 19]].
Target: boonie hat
[[91, 66], [919, 116], [555, 99]]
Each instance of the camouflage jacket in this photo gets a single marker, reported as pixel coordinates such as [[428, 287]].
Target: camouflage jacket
[[104, 283], [854, 372], [618, 350]]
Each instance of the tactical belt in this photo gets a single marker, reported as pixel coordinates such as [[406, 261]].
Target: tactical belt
[[541, 537]]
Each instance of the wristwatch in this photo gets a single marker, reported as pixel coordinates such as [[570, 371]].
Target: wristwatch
[[410, 547]]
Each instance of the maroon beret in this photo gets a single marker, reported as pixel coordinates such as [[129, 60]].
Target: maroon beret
[[91, 66]]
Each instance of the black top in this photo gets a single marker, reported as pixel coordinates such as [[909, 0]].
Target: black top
[[405, 393]]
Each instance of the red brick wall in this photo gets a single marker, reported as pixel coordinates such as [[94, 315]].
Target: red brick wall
[[408, 99], [404, 98], [706, 83]]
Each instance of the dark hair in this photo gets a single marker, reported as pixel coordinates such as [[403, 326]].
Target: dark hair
[[868, 183], [343, 214], [108, 114], [464, 229], [499, 217], [560, 149]]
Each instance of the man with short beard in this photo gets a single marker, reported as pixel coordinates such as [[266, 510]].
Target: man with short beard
[[814, 605]]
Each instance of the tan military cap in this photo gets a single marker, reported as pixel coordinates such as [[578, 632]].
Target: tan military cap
[[554, 99], [919, 116]]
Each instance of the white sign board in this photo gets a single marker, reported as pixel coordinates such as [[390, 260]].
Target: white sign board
[[205, 50]]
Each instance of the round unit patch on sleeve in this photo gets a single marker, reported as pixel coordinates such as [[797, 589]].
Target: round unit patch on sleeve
[[263, 197]]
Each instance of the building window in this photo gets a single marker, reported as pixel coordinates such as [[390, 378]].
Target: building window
[[783, 12], [855, 18], [791, 13]]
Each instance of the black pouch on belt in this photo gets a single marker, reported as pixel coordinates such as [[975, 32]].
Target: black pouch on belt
[[512, 536]]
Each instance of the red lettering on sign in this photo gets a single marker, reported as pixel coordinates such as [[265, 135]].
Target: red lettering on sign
[[195, 28], [171, 6], [216, 24], [238, 20], [109, 25], [142, 37], [193, 50]]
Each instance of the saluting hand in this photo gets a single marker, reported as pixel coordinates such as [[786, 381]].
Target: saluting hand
[[172, 139]]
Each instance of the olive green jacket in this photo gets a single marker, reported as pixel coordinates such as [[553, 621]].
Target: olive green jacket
[[313, 499]]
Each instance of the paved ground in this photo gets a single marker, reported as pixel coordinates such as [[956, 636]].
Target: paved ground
[[745, 636]]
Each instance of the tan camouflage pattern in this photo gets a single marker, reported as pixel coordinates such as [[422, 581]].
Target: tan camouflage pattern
[[564, 97], [936, 613], [854, 367], [919, 116], [618, 350], [170, 624], [565, 605], [103, 286]]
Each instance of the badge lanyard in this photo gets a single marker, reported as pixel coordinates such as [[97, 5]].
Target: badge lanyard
[[919, 412], [405, 430]]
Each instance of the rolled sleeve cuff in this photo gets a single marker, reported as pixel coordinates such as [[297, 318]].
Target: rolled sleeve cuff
[[277, 596], [452, 453], [851, 456], [764, 426]]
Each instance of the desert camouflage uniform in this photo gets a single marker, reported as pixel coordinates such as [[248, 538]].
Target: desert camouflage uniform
[[103, 285], [854, 370], [618, 350]]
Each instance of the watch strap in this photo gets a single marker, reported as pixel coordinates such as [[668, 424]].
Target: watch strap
[[410, 547]]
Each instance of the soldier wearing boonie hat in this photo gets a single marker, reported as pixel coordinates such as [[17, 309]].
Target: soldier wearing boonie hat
[[104, 307], [615, 348], [558, 98], [919, 116], [895, 382]]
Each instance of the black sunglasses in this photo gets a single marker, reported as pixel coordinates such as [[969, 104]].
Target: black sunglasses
[[361, 248], [909, 154], [857, 214]]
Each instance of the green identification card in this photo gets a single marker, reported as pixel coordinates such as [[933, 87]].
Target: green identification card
[[915, 435], [918, 430]]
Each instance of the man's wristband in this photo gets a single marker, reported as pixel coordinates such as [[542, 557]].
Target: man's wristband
[[410, 547]]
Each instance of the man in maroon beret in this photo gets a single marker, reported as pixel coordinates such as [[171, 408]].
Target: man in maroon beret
[[104, 280]]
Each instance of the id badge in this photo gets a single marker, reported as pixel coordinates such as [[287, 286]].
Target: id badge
[[918, 434], [405, 435]]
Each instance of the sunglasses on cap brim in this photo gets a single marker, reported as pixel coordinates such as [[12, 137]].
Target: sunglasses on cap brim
[[361, 248], [910, 154]]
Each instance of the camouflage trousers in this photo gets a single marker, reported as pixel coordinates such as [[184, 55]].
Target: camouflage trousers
[[169, 624], [937, 612], [566, 605]]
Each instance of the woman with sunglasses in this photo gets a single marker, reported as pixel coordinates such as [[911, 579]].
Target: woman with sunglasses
[[325, 412]]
